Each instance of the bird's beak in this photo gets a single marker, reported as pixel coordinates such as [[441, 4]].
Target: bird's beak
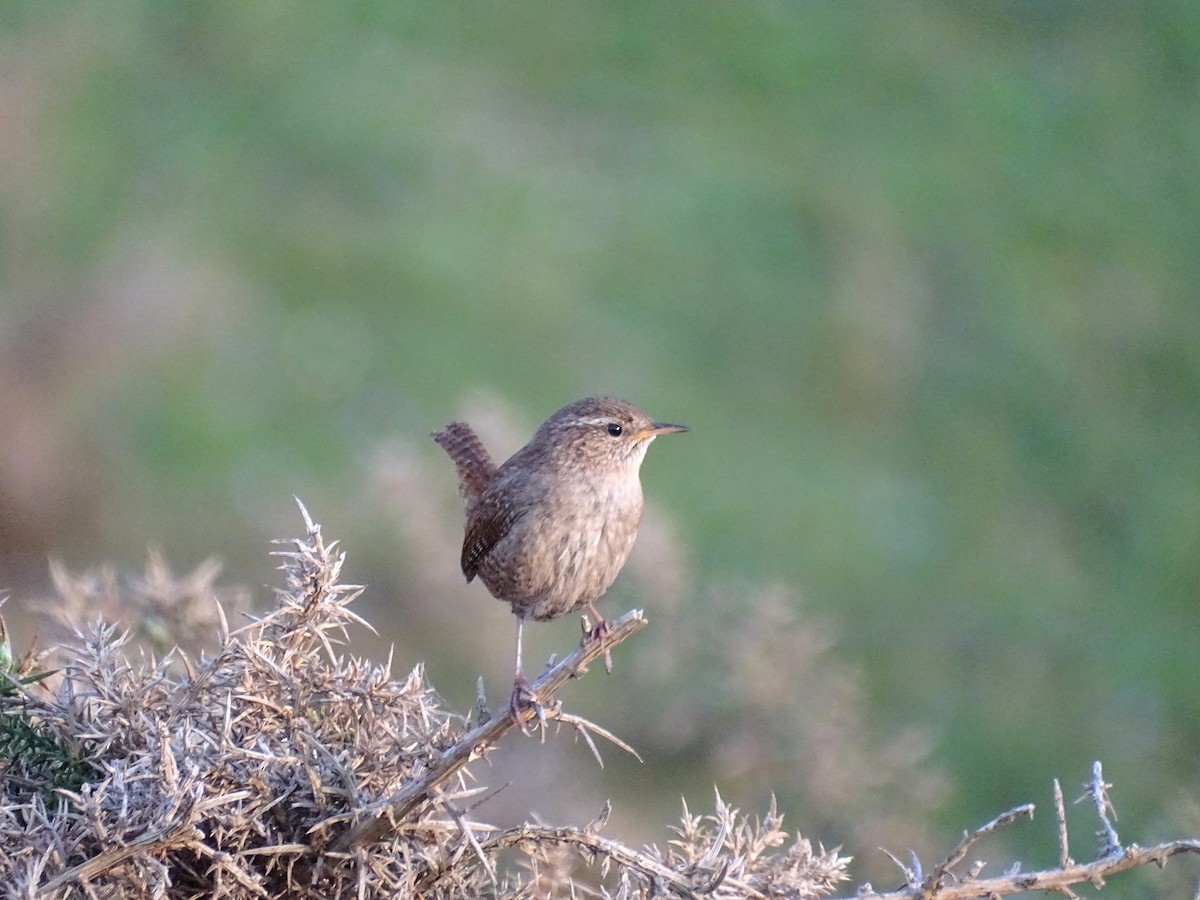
[[657, 428]]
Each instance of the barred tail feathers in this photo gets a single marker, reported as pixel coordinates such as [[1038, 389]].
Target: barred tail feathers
[[474, 464]]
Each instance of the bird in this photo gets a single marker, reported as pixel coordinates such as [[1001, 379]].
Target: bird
[[548, 530]]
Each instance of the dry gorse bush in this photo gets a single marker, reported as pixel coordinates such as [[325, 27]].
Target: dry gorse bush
[[244, 770], [272, 765]]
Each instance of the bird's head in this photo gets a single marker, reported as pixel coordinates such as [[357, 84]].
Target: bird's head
[[601, 433]]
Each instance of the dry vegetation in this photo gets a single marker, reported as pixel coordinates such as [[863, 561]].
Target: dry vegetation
[[262, 767], [272, 764]]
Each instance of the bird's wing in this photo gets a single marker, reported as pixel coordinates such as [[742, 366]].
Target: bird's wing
[[490, 521]]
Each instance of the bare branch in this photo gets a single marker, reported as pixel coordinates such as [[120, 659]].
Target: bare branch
[[933, 884], [1097, 789], [1058, 880], [1060, 813], [483, 736], [1113, 858]]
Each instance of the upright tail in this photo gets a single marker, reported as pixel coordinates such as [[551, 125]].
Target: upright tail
[[475, 466]]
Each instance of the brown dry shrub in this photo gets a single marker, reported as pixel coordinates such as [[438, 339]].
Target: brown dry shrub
[[233, 773]]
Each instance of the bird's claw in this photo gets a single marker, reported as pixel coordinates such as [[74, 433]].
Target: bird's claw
[[598, 632], [522, 700]]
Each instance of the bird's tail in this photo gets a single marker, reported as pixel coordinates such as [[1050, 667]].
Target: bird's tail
[[475, 466]]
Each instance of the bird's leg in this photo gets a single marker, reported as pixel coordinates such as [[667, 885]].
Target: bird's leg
[[523, 696], [598, 632]]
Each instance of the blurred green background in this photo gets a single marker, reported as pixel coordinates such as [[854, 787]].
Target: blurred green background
[[921, 277]]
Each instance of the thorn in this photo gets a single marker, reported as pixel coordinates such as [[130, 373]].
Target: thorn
[[482, 714], [601, 820]]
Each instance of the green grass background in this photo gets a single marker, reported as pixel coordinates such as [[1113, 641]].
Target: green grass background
[[921, 277]]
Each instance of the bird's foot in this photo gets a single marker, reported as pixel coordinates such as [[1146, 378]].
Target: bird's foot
[[522, 702], [598, 632]]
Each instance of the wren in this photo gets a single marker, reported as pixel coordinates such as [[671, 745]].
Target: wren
[[548, 530]]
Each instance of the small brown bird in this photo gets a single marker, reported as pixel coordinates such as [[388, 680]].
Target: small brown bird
[[549, 530]]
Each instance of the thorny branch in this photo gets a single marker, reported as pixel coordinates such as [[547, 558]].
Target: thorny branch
[[1112, 858], [1060, 815], [471, 745], [1097, 789], [937, 878]]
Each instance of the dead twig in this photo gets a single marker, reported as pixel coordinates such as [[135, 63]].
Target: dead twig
[[1060, 814], [936, 880], [483, 736], [1097, 789], [1059, 880], [1112, 859]]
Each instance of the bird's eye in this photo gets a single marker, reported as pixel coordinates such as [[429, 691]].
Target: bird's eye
[[614, 429]]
